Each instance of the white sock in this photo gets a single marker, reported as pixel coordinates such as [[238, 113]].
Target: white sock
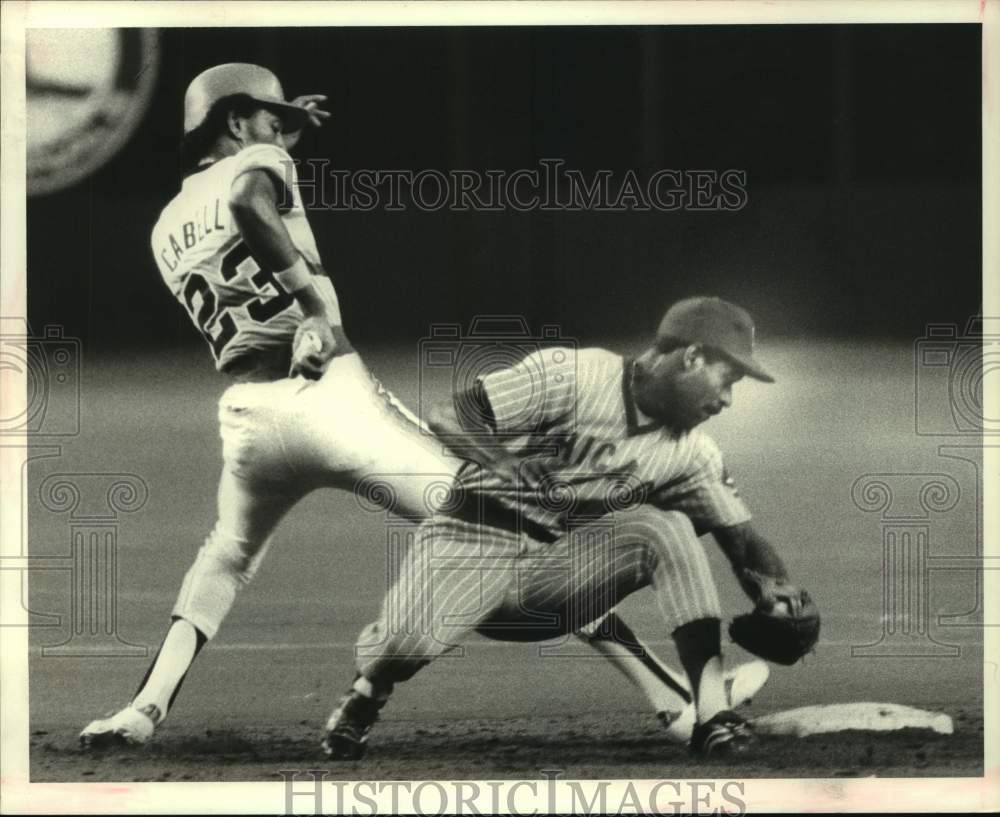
[[173, 661]]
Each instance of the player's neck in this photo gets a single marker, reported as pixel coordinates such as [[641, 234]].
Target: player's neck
[[635, 393], [222, 148]]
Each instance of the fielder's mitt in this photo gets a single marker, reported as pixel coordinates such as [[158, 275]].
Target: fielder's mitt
[[784, 625]]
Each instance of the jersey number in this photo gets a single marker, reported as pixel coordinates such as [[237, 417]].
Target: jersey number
[[219, 327]]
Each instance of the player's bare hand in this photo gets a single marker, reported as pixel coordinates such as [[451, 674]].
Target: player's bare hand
[[772, 595], [311, 104], [486, 460], [313, 348]]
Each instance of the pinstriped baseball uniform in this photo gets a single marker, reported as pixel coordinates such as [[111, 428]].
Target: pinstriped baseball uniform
[[605, 502], [576, 410]]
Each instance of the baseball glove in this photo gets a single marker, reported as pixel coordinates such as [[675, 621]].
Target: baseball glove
[[783, 626]]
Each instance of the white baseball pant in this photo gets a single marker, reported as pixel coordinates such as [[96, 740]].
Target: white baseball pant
[[283, 439]]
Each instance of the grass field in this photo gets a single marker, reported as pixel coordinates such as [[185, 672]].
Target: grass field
[[256, 699]]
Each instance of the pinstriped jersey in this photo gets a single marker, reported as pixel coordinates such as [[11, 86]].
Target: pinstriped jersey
[[235, 302], [586, 450]]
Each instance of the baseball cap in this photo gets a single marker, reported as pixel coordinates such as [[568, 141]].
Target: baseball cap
[[233, 78], [717, 325]]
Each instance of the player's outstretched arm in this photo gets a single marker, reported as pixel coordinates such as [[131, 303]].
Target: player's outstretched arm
[[477, 415], [750, 553], [785, 622], [471, 437], [254, 200]]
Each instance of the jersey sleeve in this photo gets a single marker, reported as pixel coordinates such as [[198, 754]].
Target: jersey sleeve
[[159, 242], [705, 492], [271, 158], [535, 393], [155, 242]]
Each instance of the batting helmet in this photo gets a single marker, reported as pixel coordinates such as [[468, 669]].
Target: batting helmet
[[238, 78]]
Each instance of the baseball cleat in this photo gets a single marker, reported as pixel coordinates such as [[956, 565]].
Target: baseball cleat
[[679, 725], [348, 727], [742, 682], [127, 727], [723, 735]]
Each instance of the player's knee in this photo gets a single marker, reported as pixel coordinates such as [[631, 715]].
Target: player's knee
[[657, 527], [676, 563], [212, 582], [674, 527], [230, 555], [663, 537]]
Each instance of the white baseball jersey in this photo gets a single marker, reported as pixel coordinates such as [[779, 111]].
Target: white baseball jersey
[[237, 305], [590, 451]]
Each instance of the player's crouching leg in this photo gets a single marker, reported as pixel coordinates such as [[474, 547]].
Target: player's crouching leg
[[442, 592], [675, 564], [666, 690], [383, 661]]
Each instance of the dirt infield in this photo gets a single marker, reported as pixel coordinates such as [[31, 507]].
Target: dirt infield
[[580, 747], [256, 699]]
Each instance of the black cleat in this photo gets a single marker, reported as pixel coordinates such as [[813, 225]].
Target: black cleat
[[723, 735], [348, 727]]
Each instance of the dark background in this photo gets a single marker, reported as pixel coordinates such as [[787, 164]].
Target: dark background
[[861, 146]]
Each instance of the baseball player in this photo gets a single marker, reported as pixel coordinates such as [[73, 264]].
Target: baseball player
[[593, 481], [235, 248]]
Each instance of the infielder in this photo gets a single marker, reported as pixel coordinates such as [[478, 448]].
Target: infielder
[[235, 248], [593, 482]]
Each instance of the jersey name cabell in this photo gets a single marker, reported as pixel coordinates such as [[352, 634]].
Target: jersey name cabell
[[234, 300]]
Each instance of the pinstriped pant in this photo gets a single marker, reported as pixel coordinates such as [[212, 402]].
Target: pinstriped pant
[[459, 578]]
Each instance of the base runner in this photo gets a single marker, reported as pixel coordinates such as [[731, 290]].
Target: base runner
[[235, 248]]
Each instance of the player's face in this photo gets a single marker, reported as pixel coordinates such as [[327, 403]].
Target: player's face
[[262, 127], [707, 388], [685, 388]]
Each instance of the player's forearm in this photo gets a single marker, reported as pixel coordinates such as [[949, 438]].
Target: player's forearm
[[443, 420], [254, 205], [472, 439], [476, 414], [312, 303], [259, 222], [746, 549]]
